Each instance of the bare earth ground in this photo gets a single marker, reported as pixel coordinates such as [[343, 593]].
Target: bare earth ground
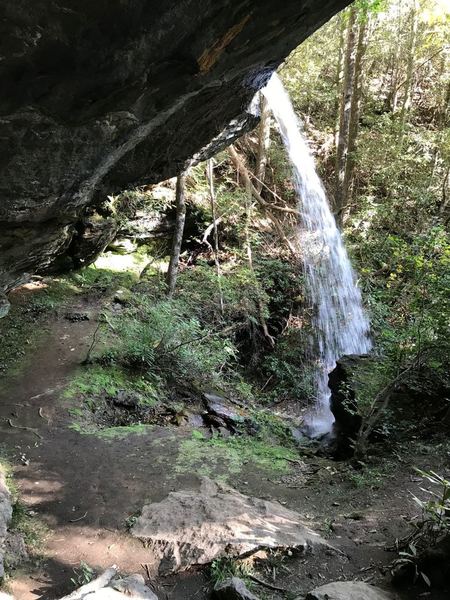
[[84, 487]]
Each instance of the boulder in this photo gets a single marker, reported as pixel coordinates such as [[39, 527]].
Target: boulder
[[233, 588], [349, 590], [15, 550], [195, 527]]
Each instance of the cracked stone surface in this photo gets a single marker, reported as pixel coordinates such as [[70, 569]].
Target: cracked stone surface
[[195, 527]]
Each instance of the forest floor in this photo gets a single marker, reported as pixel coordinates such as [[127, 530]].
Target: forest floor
[[84, 487]]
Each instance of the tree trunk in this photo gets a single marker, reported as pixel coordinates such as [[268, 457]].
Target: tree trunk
[[344, 114], [172, 271], [407, 97], [263, 142], [355, 110], [212, 197], [338, 77]]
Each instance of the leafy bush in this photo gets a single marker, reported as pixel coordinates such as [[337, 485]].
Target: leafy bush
[[164, 339]]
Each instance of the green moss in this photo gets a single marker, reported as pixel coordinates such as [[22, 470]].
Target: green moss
[[222, 457], [33, 530], [110, 432], [95, 380]]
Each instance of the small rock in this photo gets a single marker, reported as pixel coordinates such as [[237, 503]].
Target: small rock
[[122, 296], [126, 399], [134, 587], [349, 590], [233, 589]]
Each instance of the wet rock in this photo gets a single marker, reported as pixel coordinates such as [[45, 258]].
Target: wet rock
[[222, 414], [195, 527], [220, 407], [233, 588], [122, 296], [349, 590], [126, 399], [435, 563], [343, 404]]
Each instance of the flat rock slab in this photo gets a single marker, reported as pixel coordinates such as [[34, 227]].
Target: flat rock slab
[[193, 528], [349, 590]]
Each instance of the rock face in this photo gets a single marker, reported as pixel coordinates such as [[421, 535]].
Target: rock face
[[5, 518], [193, 528], [99, 96], [348, 590]]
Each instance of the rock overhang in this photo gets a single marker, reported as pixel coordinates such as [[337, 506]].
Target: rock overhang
[[100, 96]]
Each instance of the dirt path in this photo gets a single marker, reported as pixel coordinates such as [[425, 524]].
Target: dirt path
[[81, 486], [84, 487]]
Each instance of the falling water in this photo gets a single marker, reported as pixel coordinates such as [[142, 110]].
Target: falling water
[[340, 325]]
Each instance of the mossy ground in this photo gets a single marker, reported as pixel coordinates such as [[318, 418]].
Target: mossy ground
[[223, 458]]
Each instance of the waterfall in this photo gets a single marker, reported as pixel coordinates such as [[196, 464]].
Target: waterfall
[[339, 323]]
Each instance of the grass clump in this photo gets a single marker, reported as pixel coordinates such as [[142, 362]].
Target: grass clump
[[224, 568], [96, 380]]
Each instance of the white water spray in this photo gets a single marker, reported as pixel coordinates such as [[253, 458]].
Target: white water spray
[[340, 325]]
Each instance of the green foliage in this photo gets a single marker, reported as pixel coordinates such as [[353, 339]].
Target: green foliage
[[33, 530], [290, 369], [94, 380], [436, 510], [198, 291], [164, 340], [82, 575]]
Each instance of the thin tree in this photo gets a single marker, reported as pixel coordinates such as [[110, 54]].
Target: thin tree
[[263, 142], [212, 197], [180, 201], [340, 194], [350, 108], [407, 96]]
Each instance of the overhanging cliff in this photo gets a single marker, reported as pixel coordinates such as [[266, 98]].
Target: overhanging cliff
[[102, 95]]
